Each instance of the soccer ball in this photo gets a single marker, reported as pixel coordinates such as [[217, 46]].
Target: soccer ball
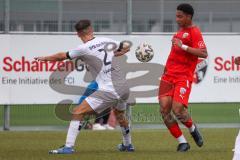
[[144, 52]]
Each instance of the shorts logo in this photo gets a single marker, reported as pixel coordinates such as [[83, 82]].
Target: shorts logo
[[182, 92], [185, 35]]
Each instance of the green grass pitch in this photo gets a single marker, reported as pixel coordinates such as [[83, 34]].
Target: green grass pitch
[[150, 144], [93, 145]]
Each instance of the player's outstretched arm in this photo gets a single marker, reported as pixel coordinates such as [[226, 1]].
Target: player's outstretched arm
[[195, 51], [55, 57]]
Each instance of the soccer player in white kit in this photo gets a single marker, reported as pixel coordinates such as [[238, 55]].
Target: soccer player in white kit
[[112, 92]]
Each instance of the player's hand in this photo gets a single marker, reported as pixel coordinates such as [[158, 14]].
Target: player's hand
[[237, 61], [126, 46], [177, 42], [122, 52], [40, 58]]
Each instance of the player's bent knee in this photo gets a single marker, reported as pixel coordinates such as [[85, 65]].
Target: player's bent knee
[[78, 111], [81, 110], [180, 113], [164, 110], [178, 108], [121, 118], [167, 117]]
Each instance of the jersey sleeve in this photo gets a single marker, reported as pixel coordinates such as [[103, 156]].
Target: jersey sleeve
[[77, 52], [197, 39]]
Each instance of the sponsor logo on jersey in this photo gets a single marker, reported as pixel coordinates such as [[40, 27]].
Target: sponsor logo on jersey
[[185, 35]]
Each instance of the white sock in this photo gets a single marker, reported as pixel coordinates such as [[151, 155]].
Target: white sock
[[191, 129], [126, 136], [182, 139], [73, 130]]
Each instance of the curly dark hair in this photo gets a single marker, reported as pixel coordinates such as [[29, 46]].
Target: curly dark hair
[[186, 8]]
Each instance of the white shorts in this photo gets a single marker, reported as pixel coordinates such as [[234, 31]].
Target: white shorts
[[100, 101]]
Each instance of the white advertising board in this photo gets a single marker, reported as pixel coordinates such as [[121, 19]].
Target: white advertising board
[[26, 81]]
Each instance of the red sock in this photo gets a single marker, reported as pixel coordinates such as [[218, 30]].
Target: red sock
[[188, 123], [175, 130]]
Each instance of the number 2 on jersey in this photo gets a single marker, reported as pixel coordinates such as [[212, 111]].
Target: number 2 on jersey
[[105, 57]]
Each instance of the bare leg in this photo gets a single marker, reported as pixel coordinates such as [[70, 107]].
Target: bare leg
[[165, 110], [182, 114], [166, 106]]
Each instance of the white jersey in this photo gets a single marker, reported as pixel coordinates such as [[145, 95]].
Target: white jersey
[[106, 74]]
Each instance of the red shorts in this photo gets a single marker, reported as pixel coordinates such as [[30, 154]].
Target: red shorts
[[178, 88]]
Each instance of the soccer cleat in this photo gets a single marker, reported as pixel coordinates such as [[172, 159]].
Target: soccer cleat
[[183, 147], [62, 150], [129, 148], [197, 137]]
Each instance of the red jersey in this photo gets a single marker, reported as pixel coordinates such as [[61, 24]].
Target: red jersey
[[181, 63]]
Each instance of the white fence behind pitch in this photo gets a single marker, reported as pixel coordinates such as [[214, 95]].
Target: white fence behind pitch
[[221, 83]]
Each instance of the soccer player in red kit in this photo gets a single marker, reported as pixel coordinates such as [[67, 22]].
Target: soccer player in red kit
[[175, 85]]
